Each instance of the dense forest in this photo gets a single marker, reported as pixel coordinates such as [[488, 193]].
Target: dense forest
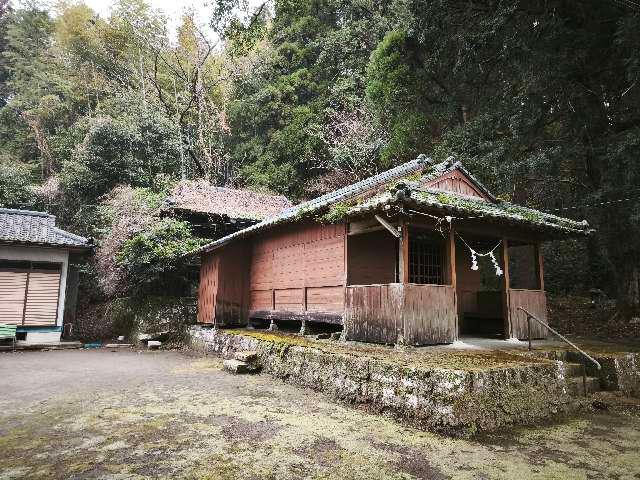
[[541, 99]]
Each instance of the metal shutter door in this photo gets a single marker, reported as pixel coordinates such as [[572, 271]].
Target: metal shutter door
[[42, 298], [12, 287]]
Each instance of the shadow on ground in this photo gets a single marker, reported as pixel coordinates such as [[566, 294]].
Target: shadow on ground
[[102, 414]]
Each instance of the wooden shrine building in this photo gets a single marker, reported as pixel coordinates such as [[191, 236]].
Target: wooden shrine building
[[419, 254]]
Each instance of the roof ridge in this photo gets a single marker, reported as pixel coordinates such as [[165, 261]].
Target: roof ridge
[[32, 213]]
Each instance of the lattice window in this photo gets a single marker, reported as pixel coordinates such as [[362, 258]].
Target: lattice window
[[426, 258]]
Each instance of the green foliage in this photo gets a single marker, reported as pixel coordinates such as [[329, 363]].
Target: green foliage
[[15, 180], [392, 77], [336, 213], [394, 80], [157, 251], [133, 146], [540, 99]]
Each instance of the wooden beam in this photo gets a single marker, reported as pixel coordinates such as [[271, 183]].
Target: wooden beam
[[364, 226], [505, 296], [393, 230], [322, 317], [347, 226]]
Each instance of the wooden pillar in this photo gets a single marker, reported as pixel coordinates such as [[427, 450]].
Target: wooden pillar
[[505, 297], [403, 254], [346, 255], [539, 266], [453, 279]]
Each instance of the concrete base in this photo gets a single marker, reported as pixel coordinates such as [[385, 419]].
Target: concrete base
[[42, 346], [447, 400], [34, 337]]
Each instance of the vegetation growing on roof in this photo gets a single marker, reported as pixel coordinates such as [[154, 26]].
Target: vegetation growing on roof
[[336, 212]]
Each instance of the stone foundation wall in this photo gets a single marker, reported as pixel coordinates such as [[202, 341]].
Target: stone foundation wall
[[453, 402], [620, 371]]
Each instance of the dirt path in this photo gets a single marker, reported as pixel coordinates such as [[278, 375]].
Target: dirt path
[[121, 415]]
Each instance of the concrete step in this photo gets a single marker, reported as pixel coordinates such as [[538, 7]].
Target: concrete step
[[236, 367], [575, 386]]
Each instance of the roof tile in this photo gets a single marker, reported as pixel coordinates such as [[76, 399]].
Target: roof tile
[[25, 226]]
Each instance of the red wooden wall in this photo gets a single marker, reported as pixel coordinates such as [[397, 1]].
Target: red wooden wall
[[222, 295], [372, 258], [299, 268], [296, 269]]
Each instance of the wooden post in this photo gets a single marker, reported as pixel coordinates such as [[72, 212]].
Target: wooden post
[[453, 279], [403, 254], [346, 255], [505, 269], [539, 266]]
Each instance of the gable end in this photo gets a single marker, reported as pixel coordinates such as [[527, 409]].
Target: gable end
[[456, 181]]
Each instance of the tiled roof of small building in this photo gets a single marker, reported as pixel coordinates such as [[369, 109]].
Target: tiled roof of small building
[[38, 228], [202, 197], [405, 186]]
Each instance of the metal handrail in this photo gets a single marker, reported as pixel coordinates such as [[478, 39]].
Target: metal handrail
[[530, 316]]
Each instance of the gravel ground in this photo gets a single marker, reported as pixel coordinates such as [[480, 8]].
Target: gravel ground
[[124, 414]]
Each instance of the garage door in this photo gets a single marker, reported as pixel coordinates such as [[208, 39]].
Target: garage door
[[29, 297]]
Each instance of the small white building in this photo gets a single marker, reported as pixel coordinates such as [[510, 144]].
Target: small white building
[[34, 267]]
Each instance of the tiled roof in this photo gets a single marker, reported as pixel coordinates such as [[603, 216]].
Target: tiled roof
[[202, 197], [464, 207], [368, 195], [324, 201], [27, 227]]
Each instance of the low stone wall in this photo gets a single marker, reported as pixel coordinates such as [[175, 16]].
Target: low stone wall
[[454, 402]]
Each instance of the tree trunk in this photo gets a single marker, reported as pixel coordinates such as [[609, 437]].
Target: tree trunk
[[629, 291]]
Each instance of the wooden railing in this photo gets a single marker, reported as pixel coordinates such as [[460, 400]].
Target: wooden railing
[[585, 355], [400, 313]]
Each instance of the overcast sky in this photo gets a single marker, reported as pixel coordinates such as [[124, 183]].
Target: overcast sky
[[173, 9]]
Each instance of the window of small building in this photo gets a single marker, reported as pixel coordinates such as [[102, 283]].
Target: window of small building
[[27, 265], [45, 266], [427, 257], [14, 265]]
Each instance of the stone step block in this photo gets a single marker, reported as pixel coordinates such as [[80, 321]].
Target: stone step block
[[248, 356], [236, 367], [576, 388]]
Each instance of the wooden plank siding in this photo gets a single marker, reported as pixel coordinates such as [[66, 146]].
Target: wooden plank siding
[[42, 298], [373, 313], [457, 182], [293, 272], [409, 313], [429, 314], [208, 288], [222, 295], [535, 301], [303, 265], [12, 293]]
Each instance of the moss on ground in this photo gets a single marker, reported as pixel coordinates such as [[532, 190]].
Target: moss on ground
[[421, 357], [202, 426]]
